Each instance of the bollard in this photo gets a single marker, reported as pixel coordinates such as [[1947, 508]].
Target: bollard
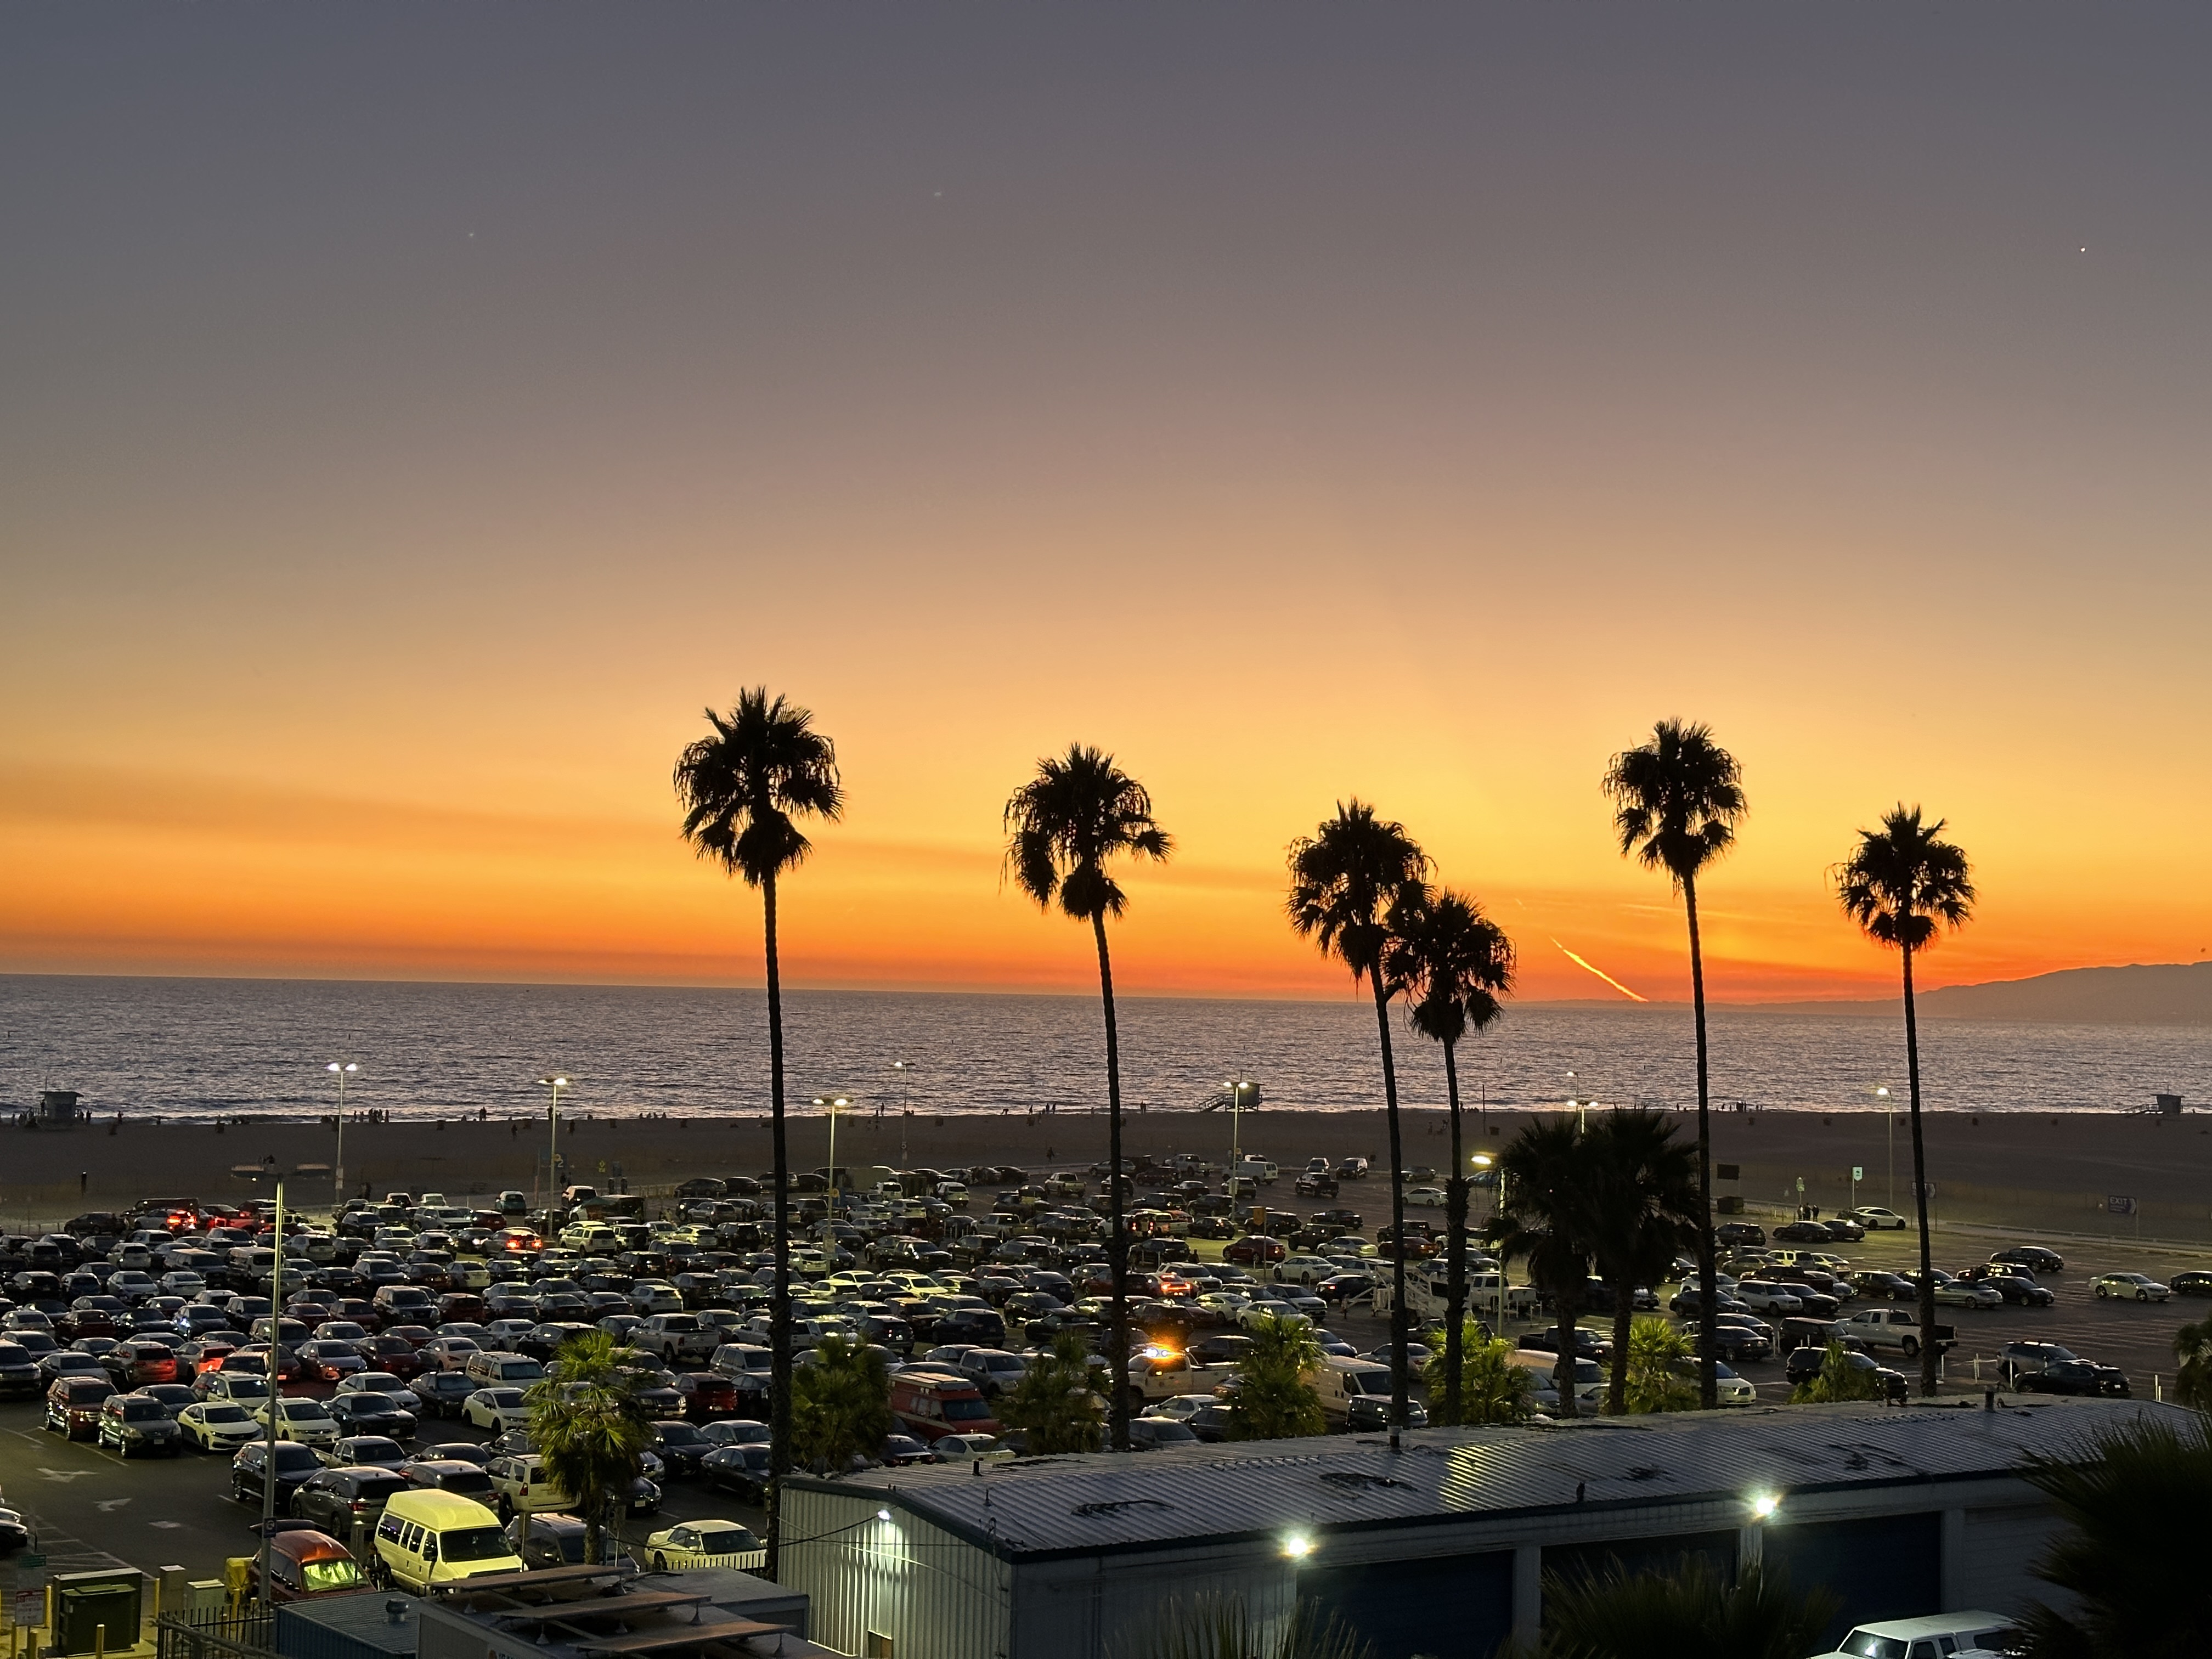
[[100, 1642]]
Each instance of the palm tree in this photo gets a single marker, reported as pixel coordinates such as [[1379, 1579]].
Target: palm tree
[[1657, 1356], [1838, 1379], [1677, 800], [1453, 963], [1492, 1388], [1904, 883], [2132, 1561], [1687, 1612], [1273, 1401], [1345, 879], [1544, 1217], [1064, 826], [1054, 1403], [742, 789], [1644, 1208], [586, 1422], [841, 1406]]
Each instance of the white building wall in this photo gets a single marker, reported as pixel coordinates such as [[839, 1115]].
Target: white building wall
[[934, 1596]]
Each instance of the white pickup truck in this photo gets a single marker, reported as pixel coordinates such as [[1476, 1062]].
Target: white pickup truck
[[679, 1338], [1897, 1329], [1158, 1375], [1425, 1298]]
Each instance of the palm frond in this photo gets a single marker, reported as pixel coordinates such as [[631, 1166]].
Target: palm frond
[[1069, 822], [1904, 883], [741, 786], [1345, 878], [1677, 800]]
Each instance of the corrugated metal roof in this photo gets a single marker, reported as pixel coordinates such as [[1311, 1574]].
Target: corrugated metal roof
[[1095, 1503]]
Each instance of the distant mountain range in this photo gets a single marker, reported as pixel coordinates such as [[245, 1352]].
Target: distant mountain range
[[2142, 993]]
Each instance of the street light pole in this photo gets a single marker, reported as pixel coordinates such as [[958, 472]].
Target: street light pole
[[274, 1372], [905, 1069], [552, 1151], [1891, 1202], [832, 1102], [337, 1180]]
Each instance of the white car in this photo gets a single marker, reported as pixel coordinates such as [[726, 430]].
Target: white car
[[2140, 1287], [1969, 1293], [1303, 1270], [1182, 1407], [1729, 1389], [1873, 1218], [496, 1409], [1257, 1314], [702, 1544], [967, 1448], [217, 1425], [307, 1421], [1426, 1198]]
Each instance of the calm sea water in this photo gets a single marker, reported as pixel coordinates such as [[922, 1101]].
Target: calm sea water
[[195, 1048]]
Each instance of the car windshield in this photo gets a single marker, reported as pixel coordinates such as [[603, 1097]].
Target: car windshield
[[297, 1457], [966, 1411], [474, 1544], [143, 1411], [1863, 1644], [333, 1575], [224, 1414]]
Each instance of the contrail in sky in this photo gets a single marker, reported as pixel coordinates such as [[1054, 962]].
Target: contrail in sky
[[1601, 973]]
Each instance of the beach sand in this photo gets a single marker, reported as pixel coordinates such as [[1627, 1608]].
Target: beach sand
[[2052, 1172]]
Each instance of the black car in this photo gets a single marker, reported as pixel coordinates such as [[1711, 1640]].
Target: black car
[[19, 1371], [2020, 1290], [2033, 1257], [337, 1500], [295, 1465], [554, 1540], [1885, 1286], [443, 1394], [741, 1471], [1740, 1234], [1804, 1364], [463, 1480], [1803, 1232], [2197, 1281], [1688, 1301], [371, 1412], [2075, 1376], [980, 1326], [680, 1446]]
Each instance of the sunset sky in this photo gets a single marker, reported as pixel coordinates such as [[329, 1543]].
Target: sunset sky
[[414, 416]]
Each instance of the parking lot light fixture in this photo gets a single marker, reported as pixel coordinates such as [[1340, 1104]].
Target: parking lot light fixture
[[1764, 1504], [554, 1083], [273, 1371], [1298, 1546]]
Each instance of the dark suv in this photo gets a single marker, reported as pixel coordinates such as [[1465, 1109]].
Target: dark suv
[[338, 1500], [295, 1465]]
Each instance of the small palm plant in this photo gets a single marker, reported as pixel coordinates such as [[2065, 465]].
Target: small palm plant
[[586, 1424], [1453, 963], [840, 1406], [1064, 826], [1346, 878], [1836, 1379], [743, 788], [1677, 800], [1273, 1399], [1224, 1627], [1904, 884], [1492, 1388], [1654, 1363], [1687, 1612], [1055, 1404]]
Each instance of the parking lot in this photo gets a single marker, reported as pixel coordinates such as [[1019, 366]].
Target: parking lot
[[93, 1509]]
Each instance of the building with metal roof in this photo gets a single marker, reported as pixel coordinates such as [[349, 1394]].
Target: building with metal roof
[[1440, 1547]]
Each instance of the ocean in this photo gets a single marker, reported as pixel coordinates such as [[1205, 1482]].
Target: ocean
[[203, 1048]]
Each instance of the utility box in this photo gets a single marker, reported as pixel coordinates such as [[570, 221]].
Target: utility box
[[2167, 1105], [85, 1602]]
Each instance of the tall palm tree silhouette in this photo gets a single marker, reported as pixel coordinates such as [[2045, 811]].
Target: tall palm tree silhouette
[[1677, 800], [1345, 878], [1545, 1216], [741, 787], [1452, 964], [1904, 883], [1063, 825], [1644, 1193]]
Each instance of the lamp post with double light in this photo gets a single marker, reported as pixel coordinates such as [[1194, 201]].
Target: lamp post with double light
[[832, 1104], [905, 1070], [1889, 1201], [343, 1069], [275, 1178], [554, 1084], [1239, 1087], [1484, 1161]]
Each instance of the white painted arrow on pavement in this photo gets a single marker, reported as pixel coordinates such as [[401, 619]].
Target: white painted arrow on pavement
[[107, 1505], [64, 1475]]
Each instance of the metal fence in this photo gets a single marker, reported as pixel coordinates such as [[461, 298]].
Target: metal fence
[[218, 1633]]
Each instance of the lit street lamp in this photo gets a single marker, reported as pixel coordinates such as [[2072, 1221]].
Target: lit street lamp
[[552, 1151], [275, 1373], [832, 1104], [338, 1182], [1239, 1087], [1484, 1161], [1882, 1095], [905, 1069]]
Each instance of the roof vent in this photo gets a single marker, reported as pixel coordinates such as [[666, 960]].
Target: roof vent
[[1115, 1505], [1642, 1473]]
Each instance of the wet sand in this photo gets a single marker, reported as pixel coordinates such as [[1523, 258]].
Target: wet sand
[[2048, 1172]]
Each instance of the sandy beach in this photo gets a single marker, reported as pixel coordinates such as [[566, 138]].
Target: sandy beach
[[2050, 1172]]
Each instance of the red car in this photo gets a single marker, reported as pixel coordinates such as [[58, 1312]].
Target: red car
[[1254, 1249], [389, 1352]]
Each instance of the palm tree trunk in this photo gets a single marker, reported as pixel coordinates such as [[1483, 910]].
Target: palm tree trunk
[[1117, 1248], [1455, 1247], [1400, 1388], [779, 1341], [1920, 1188], [1624, 1318], [1708, 1389], [1566, 1307]]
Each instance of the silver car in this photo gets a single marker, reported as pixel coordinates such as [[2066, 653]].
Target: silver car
[[2141, 1287]]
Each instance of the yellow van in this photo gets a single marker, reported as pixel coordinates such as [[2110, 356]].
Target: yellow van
[[425, 1538]]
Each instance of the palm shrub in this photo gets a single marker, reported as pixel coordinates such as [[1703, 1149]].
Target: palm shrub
[[1055, 1403], [1491, 1388], [1545, 1218], [1644, 1209], [2132, 1559], [1063, 827], [841, 1406], [586, 1423], [743, 788], [1689, 1611], [2192, 1384], [1650, 1366], [1272, 1399], [1223, 1627], [1836, 1379]]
